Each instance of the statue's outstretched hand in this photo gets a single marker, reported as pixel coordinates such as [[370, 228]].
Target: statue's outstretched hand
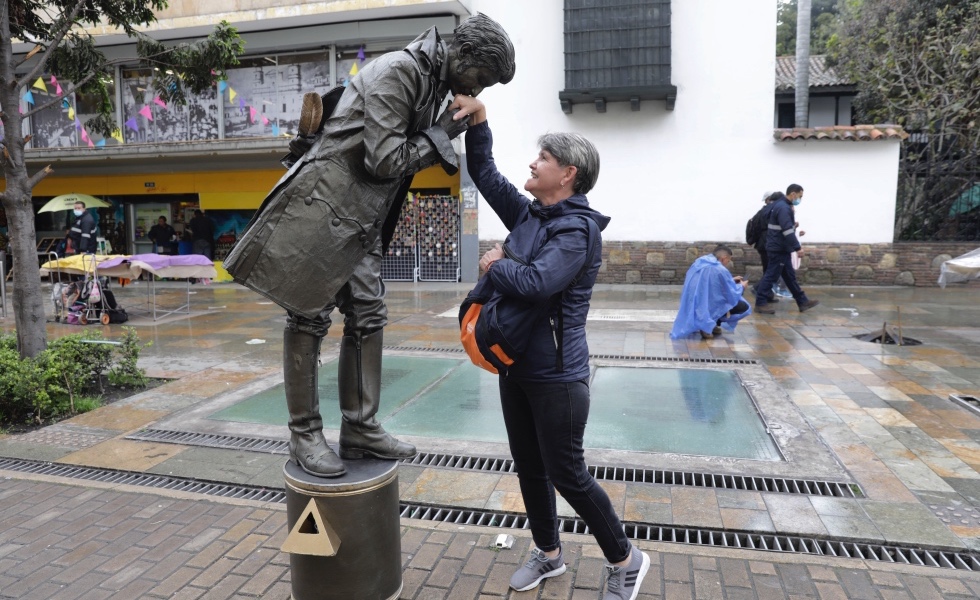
[[451, 127]]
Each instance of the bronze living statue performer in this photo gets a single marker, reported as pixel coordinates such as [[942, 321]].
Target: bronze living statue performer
[[317, 241]]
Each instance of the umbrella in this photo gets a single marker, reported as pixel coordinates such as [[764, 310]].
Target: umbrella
[[67, 202]]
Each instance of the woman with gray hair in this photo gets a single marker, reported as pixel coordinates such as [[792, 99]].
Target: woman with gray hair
[[549, 262]]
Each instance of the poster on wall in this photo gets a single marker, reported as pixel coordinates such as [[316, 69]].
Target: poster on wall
[[52, 127], [148, 118], [265, 99], [228, 228]]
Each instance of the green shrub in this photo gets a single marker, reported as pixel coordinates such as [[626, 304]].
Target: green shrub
[[35, 387], [86, 404], [125, 372], [83, 358], [8, 341], [61, 379]]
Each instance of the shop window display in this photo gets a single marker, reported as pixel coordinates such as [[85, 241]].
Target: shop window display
[[347, 58], [264, 96], [63, 125], [148, 118], [51, 127]]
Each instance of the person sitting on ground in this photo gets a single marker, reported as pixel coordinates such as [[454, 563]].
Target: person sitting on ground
[[711, 297]]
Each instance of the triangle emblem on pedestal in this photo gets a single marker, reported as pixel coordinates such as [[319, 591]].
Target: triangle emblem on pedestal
[[312, 535]]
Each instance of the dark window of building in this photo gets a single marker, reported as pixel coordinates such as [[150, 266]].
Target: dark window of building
[[787, 115], [617, 52]]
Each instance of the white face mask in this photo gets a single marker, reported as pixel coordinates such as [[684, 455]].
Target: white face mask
[[78, 212]]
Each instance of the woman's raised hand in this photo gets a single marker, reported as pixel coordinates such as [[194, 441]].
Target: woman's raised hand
[[468, 105]]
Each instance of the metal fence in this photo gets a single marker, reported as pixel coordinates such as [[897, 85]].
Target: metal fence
[[425, 245]]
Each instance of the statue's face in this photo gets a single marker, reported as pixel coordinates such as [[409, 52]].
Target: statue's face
[[467, 78]]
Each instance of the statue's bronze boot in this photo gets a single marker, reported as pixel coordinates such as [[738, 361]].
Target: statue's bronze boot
[[359, 383], [307, 447]]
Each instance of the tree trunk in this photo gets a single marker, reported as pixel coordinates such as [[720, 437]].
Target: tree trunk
[[803, 63], [29, 317]]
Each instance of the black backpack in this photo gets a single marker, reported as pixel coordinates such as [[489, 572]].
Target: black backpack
[[756, 227]]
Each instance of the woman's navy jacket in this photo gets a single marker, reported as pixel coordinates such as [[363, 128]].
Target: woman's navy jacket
[[549, 246]]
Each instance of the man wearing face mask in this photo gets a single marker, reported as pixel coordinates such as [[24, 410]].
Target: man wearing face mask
[[82, 232], [781, 242], [317, 241]]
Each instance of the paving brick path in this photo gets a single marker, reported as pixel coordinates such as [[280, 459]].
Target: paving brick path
[[65, 541]]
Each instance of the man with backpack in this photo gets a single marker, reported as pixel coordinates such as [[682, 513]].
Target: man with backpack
[[781, 242], [755, 233]]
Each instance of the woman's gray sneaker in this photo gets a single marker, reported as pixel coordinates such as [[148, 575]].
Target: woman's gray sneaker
[[538, 567], [623, 583]]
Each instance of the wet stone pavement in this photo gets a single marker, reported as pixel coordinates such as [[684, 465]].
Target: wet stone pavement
[[857, 413]]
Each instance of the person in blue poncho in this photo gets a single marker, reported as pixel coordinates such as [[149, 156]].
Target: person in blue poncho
[[711, 298]]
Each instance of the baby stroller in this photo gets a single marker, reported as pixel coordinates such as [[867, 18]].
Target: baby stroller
[[88, 300], [83, 303]]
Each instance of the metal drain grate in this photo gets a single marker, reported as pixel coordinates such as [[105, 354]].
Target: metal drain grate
[[678, 359], [457, 461], [212, 440], [711, 537], [773, 485], [670, 359], [164, 482], [453, 350], [502, 520]]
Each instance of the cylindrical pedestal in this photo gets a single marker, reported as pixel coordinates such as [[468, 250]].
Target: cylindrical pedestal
[[346, 544]]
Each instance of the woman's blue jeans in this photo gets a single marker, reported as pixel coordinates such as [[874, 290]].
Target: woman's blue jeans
[[545, 428]]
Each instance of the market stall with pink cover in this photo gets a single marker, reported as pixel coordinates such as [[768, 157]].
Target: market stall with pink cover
[[185, 267]]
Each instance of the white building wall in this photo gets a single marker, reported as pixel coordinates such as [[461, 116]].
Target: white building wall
[[697, 172]]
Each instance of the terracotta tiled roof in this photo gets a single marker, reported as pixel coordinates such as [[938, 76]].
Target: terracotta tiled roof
[[820, 74], [855, 133]]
